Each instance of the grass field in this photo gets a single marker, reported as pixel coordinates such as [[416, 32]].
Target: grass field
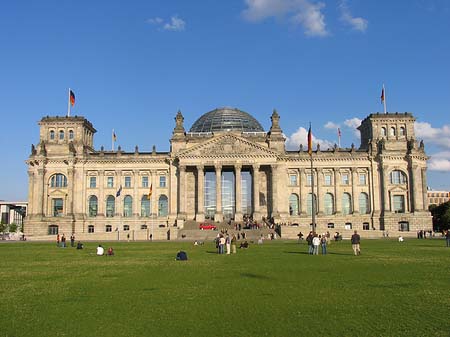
[[275, 289]]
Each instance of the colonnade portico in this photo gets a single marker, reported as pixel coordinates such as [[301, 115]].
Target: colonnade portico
[[239, 194]]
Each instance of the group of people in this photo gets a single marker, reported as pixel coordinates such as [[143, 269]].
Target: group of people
[[315, 240], [225, 241], [101, 251], [61, 241]]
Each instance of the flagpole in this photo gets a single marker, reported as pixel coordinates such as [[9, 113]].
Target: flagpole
[[384, 99], [68, 104], [313, 208], [112, 140], [339, 138]]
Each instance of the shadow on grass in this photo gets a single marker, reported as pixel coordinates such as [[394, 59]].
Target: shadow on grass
[[212, 252], [255, 276], [329, 253]]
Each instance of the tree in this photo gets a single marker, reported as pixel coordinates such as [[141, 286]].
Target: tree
[[3, 228], [13, 227], [441, 216]]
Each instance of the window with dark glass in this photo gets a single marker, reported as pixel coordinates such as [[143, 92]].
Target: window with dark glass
[[366, 226], [92, 182], [144, 181], [58, 180], [58, 207], [162, 181], [52, 134], [110, 182], [110, 206], [145, 206], [127, 181], [398, 177], [53, 230], [127, 206], [91, 229], [93, 206], [108, 228], [70, 134], [61, 134]]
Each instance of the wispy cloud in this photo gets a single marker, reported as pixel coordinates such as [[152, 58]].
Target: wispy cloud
[[300, 12], [435, 136], [301, 137], [440, 161], [347, 125], [356, 23], [174, 24]]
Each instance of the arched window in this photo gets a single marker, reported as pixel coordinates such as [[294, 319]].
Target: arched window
[[58, 180], [52, 134], [346, 203], [309, 204], [70, 134], [383, 132], [163, 205], [91, 229], [364, 203], [402, 131], [398, 177], [93, 206], [110, 206], [293, 204], [328, 204], [392, 131], [145, 206], [61, 134], [127, 206]]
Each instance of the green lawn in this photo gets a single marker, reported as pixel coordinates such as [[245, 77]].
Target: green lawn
[[275, 289]]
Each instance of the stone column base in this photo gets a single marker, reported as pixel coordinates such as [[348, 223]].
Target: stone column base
[[218, 217], [200, 217]]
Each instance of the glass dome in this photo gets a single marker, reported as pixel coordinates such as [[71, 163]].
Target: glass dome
[[226, 119]]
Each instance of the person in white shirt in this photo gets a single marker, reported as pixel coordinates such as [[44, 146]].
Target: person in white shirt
[[100, 250], [316, 243]]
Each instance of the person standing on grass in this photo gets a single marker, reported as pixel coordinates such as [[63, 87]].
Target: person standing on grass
[[447, 237], [72, 240], [316, 243], [356, 240], [63, 241], [323, 244], [233, 244], [228, 244], [309, 239], [57, 240]]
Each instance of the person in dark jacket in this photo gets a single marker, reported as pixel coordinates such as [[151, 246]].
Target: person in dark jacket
[[356, 240]]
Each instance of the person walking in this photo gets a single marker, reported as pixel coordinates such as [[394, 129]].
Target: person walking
[[356, 240]]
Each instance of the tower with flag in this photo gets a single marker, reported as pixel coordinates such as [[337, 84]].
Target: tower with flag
[[71, 101]]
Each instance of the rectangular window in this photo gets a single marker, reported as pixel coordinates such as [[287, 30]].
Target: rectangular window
[[327, 179], [126, 227], [403, 226], [365, 226], [127, 181], [331, 225], [108, 228], [110, 182], [348, 225], [162, 181], [399, 203], [58, 207], [90, 229], [92, 182], [362, 179], [345, 179], [144, 181], [293, 180], [308, 179]]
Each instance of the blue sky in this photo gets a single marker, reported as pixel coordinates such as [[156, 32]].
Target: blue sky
[[134, 64]]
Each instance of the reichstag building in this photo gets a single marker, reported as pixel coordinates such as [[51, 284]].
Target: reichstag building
[[227, 167]]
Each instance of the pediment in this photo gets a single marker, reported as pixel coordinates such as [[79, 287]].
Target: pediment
[[228, 146]]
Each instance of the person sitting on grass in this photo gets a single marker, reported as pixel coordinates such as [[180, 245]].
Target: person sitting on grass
[[110, 251], [181, 256], [244, 244], [100, 250], [79, 245]]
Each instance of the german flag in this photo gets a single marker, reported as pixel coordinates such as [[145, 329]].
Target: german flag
[[310, 141], [149, 195], [72, 98]]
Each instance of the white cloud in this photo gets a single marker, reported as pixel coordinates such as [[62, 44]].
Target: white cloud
[[359, 24], [352, 124], [440, 161], [302, 12], [175, 23], [434, 136], [301, 137], [331, 126]]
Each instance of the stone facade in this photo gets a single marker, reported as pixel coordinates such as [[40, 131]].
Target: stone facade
[[380, 186]]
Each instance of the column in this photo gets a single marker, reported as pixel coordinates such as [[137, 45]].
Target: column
[[255, 183], [354, 209], [200, 216], [423, 172], [219, 215], [101, 202], [70, 191], [136, 196], [320, 205], [274, 175], [40, 192], [337, 192], [301, 194], [238, 209], [119, 199], [385, 175], [182, 172]]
